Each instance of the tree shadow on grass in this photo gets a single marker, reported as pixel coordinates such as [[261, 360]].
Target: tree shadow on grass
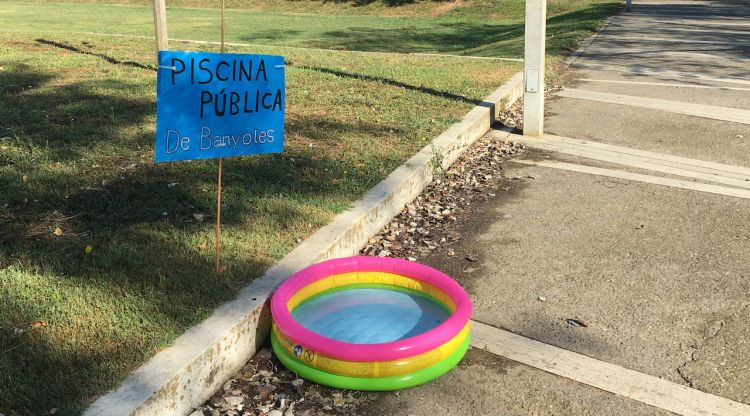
[[107, 58], [388, 81], [389, 3], [468, 37], [73, 160], [105, 313], [275, 35], [68, 120]]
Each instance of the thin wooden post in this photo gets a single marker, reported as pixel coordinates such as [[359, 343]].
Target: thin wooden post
[[160, 25], [218, 224], [222, 26], [218, 195], [533, 62]]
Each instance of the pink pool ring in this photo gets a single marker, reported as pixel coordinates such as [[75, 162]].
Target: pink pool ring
[[370, 323]]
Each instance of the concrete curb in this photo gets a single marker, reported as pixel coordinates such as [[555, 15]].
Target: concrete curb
[[184, 375]]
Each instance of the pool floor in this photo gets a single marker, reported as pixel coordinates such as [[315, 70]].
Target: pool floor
[[370, 315]]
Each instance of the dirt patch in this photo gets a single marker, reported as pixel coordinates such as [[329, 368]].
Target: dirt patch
[[446, 7]]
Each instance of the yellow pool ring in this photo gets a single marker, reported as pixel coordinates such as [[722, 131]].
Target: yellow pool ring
[[372, 368]]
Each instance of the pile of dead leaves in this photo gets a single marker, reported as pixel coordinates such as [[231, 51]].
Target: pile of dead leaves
[[423, 225], [513, 116], [263, 387]]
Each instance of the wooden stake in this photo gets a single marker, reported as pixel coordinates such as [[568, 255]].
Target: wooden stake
[[222, 26], [218, 224], [218, 195], [160, 25]]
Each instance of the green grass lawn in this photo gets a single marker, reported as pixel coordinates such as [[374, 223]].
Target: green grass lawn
[[456, 32], [77, 115]]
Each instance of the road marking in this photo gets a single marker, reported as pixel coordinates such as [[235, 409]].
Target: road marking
[[664, 84], [735, 115], [637, 177], [686, 22], [653, 39], [730, 171], [644, 388], [720, 169], [618, 52], [661, 29], [659, 73], [638, 162]]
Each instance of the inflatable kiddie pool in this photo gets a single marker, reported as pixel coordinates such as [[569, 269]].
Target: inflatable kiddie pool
[[370, 323]]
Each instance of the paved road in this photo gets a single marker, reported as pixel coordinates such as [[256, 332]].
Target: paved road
[[656, 52], [659, 273]]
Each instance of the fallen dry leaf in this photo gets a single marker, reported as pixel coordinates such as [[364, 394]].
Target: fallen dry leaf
[[38, 324], [575, 322], [58, 231], [202, 246], [88, 249], [233, 400]]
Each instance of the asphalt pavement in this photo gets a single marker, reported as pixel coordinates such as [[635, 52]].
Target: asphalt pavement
[[651, 251]]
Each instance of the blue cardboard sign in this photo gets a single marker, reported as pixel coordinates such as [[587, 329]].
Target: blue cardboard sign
[[211, 105]]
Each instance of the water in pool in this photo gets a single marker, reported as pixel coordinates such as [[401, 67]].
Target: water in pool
[[370, 315]]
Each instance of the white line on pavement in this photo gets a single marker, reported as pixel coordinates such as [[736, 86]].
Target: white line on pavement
[[664, 84], [687, 22], [652, 39], [645, 51], [619, 27], [635, 70], [655, 180], [735, 115], [644, 388], [638, 162], [721, 169]]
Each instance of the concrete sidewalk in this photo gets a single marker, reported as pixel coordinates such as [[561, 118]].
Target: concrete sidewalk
[[651, 251]]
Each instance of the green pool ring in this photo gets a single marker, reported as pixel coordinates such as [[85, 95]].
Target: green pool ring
[[369, 383]]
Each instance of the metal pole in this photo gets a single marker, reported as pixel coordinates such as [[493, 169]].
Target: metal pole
[[628, 5], [534, 50], [160, 25]]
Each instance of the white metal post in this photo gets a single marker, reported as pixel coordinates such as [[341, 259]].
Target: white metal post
[[160, 25], [533, 67]]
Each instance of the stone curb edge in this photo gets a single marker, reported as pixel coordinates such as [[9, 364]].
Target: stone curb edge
[[181, 377]]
